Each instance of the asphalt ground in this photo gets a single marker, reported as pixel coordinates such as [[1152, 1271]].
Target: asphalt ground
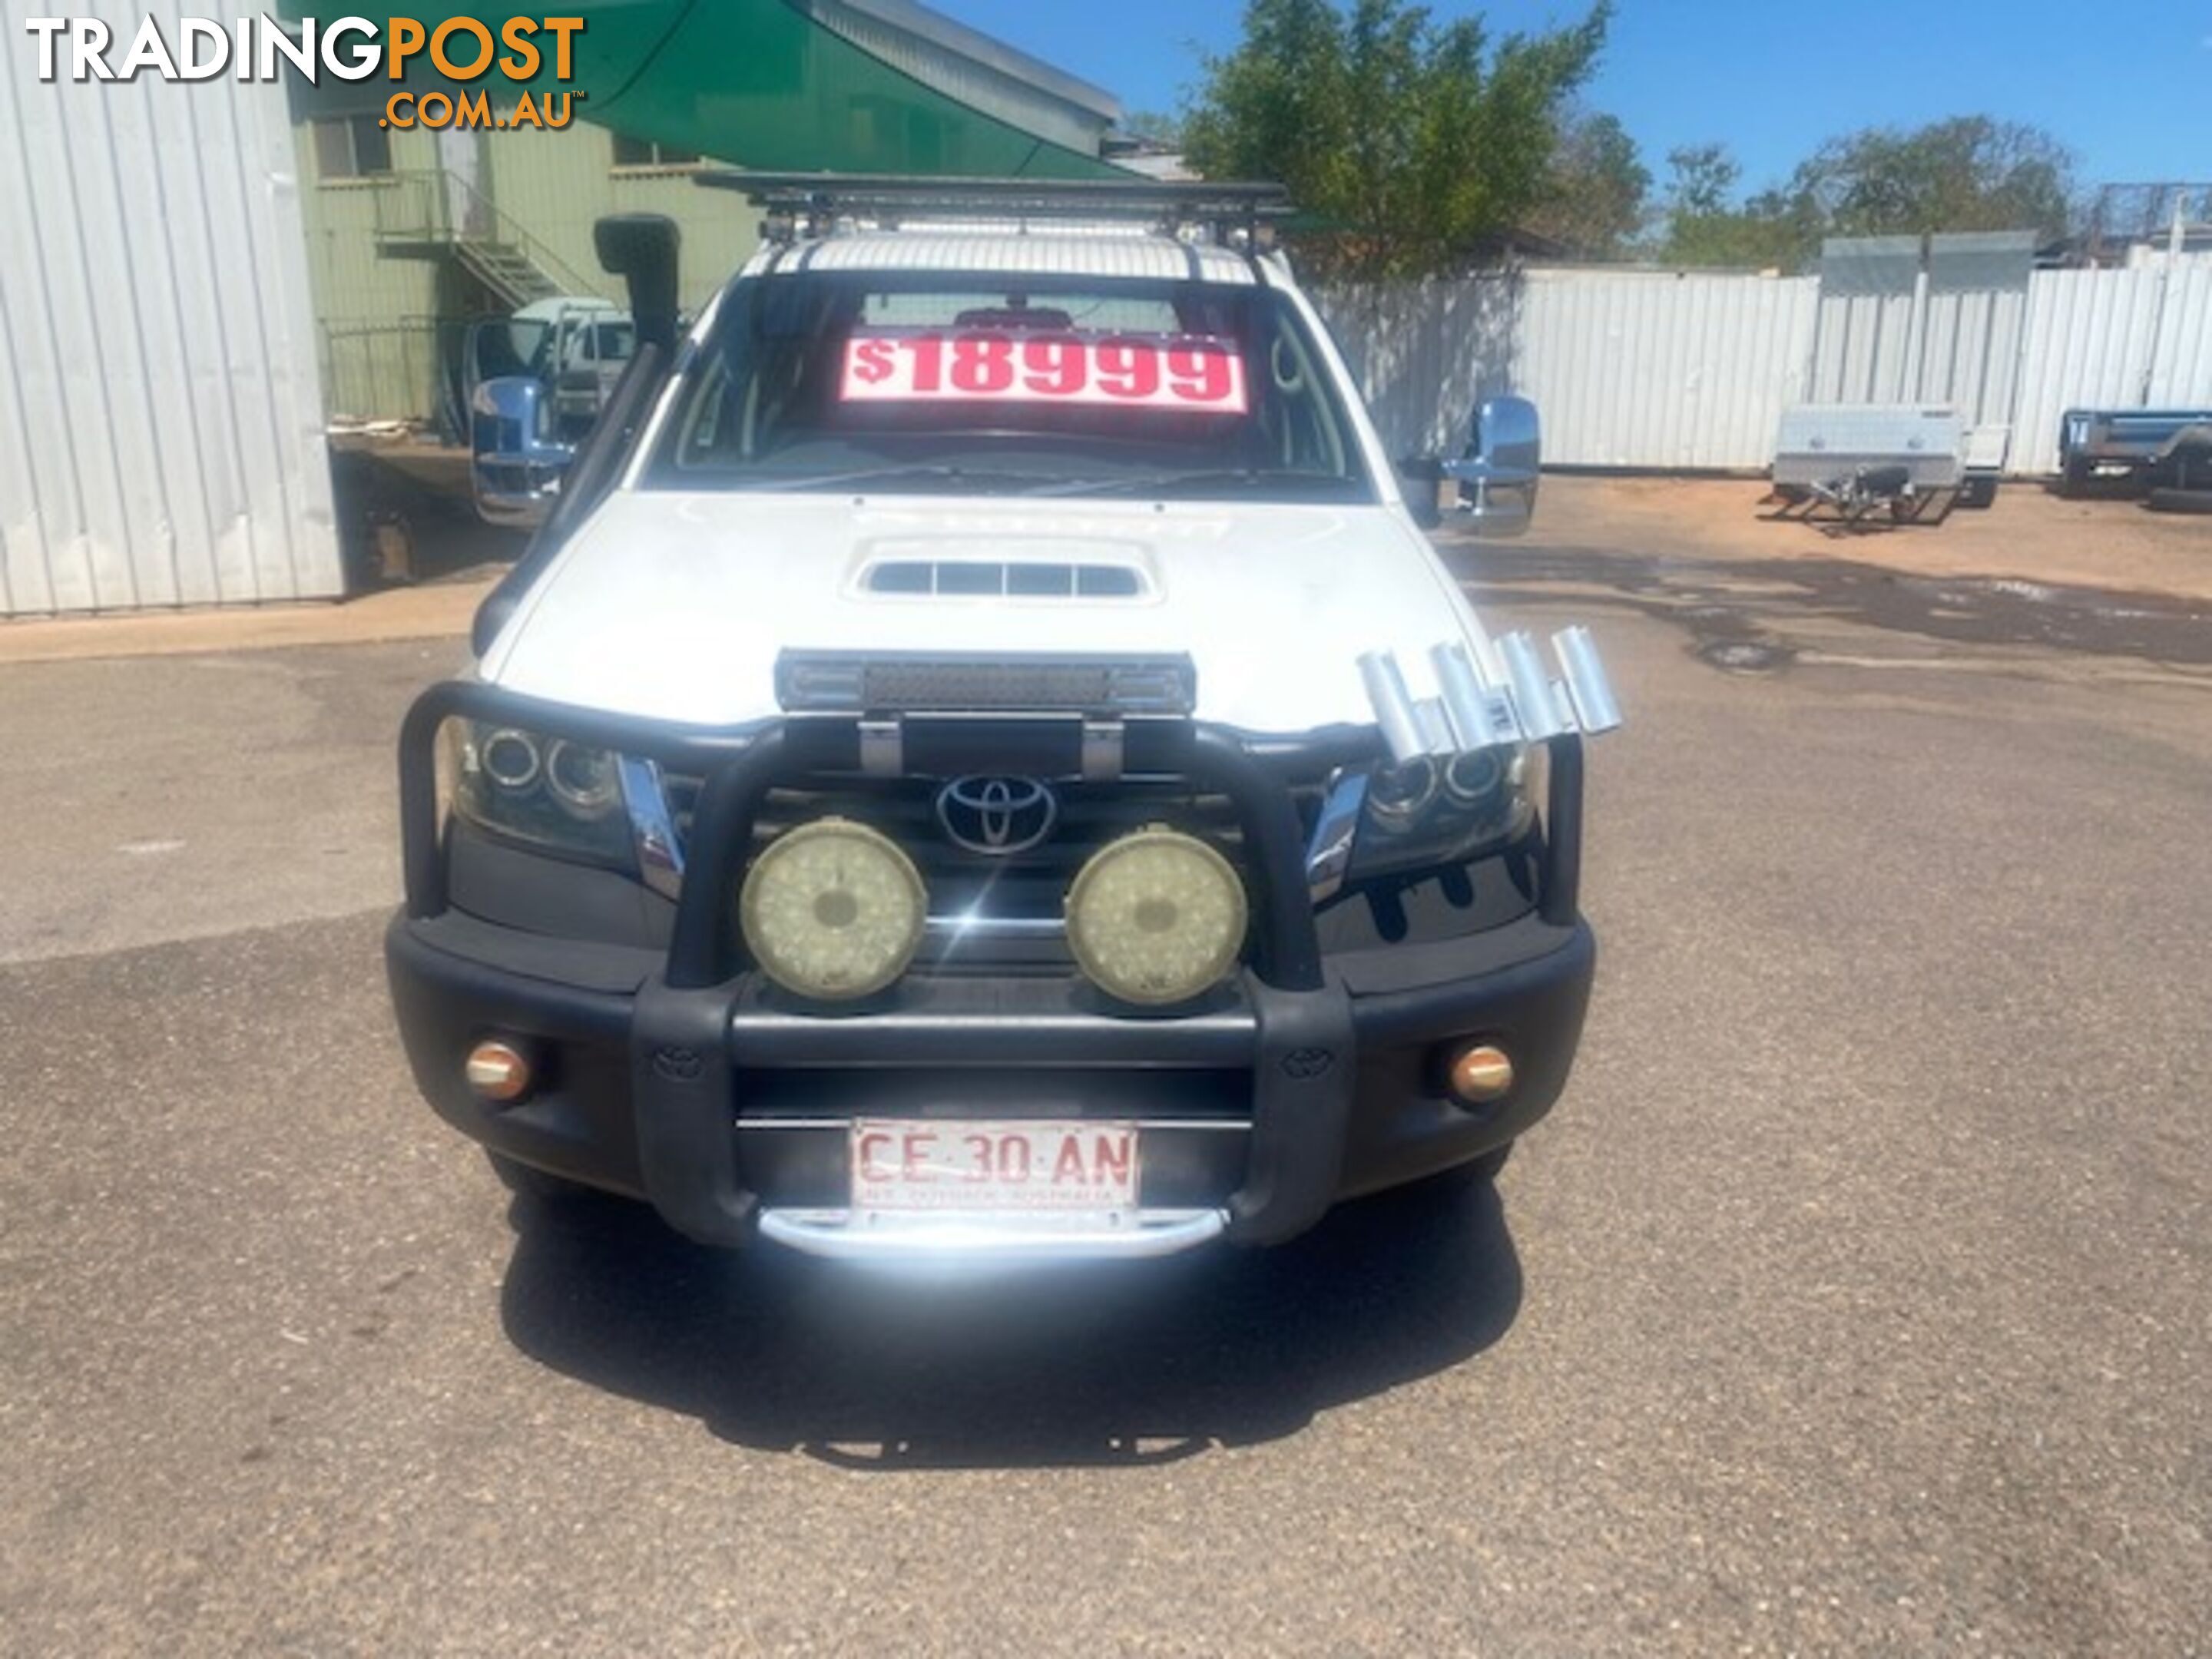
[[1855, 1300]]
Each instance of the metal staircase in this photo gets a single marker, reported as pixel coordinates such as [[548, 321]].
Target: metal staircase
[[507, 270], [437, 215]]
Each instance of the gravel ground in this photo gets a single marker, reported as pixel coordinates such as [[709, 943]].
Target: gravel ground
[[1855, 1300]]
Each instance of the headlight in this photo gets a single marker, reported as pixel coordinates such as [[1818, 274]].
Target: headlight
[[1156, 917], [581, 781], [1435, 809], [560, 796], [832, 910]]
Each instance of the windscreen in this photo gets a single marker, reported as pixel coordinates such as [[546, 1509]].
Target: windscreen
[[953, 383]]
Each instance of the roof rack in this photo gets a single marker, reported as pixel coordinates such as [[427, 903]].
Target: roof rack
[[809, 205]]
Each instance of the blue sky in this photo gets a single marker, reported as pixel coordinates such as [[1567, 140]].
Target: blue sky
[[2129, 89]]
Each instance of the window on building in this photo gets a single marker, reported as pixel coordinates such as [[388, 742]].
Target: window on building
[[351, 147], [642, 153]]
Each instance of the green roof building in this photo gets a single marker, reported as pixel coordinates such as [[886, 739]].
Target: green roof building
[[412, 233]]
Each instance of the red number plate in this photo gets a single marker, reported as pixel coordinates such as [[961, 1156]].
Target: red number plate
[[1149, 371], [910, 1164]]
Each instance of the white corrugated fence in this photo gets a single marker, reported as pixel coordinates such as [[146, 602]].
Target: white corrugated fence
[[160, 425], [1656, 369], [2111, 339], [1668, 371]]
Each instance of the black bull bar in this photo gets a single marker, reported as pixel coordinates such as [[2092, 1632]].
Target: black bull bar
[[683, 1073]]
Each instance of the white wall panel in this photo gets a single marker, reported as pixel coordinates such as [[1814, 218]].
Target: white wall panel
[[1630, 369], [2113, 339], [1957, 348], [1424, 353], [1668, 372], [160, 423], [1864, 341], [1654, 368]]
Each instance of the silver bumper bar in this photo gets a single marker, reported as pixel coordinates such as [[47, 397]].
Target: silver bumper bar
[[890, 1236]]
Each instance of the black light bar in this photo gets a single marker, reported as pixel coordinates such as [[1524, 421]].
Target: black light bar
[[893, 195]]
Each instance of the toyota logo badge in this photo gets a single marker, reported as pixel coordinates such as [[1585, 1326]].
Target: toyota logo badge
[[997, 816]]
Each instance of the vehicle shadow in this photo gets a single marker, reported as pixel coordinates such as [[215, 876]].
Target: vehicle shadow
[[902, 1369]]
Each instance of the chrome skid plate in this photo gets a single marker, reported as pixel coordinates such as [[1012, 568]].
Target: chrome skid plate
[[898, 1235]]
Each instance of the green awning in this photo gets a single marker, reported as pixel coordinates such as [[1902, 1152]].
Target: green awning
[[778, 84]]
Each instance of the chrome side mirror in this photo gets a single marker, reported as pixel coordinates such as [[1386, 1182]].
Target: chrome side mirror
[[1498, 475], [517, 462]]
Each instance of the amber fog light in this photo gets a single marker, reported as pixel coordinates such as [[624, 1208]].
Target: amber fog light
[[1156, 917], [498, 1071], [1481, 1073]]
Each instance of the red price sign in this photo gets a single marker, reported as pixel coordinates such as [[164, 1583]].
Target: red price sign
[[1196, 373]]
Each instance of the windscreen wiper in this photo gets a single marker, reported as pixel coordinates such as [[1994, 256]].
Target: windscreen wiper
[[1153, 482], [863, 477]]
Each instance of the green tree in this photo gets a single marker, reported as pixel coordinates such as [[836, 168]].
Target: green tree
[[1705, 177], [1702, 225], [1403, 139], [1970, 173], [1594, 190]]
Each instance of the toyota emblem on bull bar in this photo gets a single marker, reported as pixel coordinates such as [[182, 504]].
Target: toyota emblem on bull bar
[[997, 816]]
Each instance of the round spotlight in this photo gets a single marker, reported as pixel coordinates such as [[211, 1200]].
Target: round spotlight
[[1156, 917], [1481, 1073], [582, 779], [832, 910], [498, 1071], [510, 759]]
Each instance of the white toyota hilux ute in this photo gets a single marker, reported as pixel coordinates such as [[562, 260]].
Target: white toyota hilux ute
[[980, 757]]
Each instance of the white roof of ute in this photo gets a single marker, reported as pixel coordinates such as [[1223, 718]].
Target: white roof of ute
[[1073, 251]]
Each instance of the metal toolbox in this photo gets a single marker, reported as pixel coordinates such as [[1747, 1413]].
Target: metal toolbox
[[1825, 443]]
